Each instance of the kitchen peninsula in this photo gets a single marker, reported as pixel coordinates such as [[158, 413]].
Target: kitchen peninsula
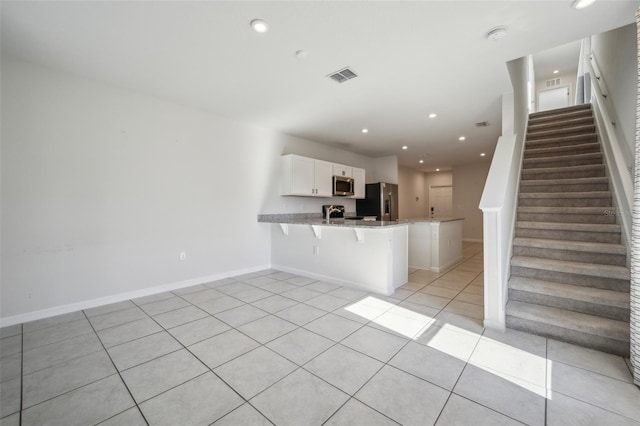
[[435, 244], [371, 255]]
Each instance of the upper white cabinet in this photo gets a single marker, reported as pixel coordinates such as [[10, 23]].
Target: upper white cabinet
[[358, 183], [342, 170], [306, 176], [309, 177], [323, 175]]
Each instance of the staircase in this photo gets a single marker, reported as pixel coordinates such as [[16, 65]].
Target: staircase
[[569, 279]]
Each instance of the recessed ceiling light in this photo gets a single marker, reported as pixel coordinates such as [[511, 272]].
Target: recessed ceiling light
[[581, 4], [365, 130], [421, 161], [259, 26], [301, 54], [556, 71], [495, 34], [461, 138], [482, 154], [437, 170], [433, 115], [405, 147]]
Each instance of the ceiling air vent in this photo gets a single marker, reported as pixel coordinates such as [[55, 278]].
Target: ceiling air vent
[[482, 124], [342, 75]]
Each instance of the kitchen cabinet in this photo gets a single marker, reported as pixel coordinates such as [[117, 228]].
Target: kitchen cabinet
[[358, 183], [342, 170], [306, 176]]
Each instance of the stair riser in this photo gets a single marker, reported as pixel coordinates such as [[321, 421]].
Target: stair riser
[[567, 278], [596, 309], [584, 130], [566, 218], [581, 187], [589, 149], [613, 346], [560, 162], [559, 124], [570, 255], [533, 174], [595, 237], [569, 111], [565, 202], [560, 142]]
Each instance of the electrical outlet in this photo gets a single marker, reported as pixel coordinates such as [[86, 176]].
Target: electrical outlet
[[183, 255]]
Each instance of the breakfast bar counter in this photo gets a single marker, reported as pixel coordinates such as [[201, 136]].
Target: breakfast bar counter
[[371, 255]]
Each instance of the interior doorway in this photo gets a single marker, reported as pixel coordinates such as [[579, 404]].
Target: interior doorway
[[553, 98], [440, 201]]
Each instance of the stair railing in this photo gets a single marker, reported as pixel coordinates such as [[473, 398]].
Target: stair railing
[[617, 156]]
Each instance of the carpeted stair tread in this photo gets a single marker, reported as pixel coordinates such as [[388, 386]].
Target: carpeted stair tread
[[561, 140], [617, 299], [558, 112], [569, 122], [584, 323], [576, 227], [569, 267], [569, 181], [561, 150], [591, 194], [562, 131], [593, 156], [565, 169], [606, 211], [582, 246]]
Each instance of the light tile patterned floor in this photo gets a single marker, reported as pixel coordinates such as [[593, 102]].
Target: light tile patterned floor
[[275, 348]]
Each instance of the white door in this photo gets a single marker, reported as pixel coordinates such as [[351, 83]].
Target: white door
[[553, 98], [440, 201]]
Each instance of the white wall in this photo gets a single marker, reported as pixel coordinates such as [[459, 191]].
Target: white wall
[[411, 197], [383, 169], [616, 55], [468, 183], [103, 187]]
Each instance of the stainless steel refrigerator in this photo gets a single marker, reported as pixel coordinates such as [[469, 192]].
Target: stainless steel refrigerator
[[381, 200]]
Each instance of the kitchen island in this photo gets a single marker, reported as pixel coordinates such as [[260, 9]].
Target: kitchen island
[[435, 244], [371, 255]]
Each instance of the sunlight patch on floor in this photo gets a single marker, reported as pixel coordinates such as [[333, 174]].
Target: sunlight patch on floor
[[518, 366]]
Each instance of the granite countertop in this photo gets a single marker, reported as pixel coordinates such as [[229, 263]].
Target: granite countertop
[[435, 219], [313, 219]]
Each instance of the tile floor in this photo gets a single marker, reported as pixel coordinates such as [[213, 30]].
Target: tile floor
[[275, 348]]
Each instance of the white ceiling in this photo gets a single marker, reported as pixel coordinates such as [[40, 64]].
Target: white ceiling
[[413, 58], [562, 58]]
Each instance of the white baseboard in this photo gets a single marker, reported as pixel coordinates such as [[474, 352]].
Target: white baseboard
[[447, 265], [92, 303], [472, 240]]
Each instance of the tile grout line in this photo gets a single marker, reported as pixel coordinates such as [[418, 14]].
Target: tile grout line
[[117, 372], [546, 381], [268, 313], [21, 373], [209, 370]]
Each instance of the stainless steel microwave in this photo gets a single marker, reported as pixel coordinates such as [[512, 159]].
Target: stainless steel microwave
[[342, 186]]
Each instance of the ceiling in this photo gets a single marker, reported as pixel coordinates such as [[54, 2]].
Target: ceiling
[[562, 58], [412, 58]]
